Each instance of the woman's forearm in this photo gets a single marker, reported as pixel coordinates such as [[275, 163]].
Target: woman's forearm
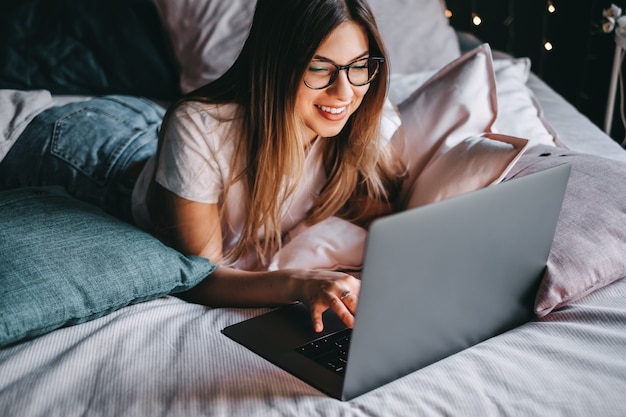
[[320, 290], [233, 287]]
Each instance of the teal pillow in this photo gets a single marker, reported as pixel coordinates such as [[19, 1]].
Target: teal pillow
[[64, 262]]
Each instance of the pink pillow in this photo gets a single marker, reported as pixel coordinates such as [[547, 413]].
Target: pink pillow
[[332, 244], [476, 162], [457, 102], [589, 246]]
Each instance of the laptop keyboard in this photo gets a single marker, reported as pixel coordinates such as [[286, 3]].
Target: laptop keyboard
[[330, 351]]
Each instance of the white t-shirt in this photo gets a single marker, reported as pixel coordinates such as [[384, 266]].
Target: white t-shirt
[[195, 163]]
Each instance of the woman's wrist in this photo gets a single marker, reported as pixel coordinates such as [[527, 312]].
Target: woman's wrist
[[231, 286]]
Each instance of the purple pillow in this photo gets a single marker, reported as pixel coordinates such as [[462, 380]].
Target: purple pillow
[[589, 247]]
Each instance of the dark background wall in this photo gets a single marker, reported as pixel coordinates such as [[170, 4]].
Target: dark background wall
[[579, 65]]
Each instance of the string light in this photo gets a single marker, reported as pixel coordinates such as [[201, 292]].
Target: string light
[[476, 20]]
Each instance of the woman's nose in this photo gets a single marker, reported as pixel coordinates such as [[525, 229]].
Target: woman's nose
[[341, 88]]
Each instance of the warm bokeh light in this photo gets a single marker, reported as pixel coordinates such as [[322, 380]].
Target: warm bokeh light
[[477, 21]]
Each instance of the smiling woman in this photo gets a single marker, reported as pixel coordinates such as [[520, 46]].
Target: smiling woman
[[288, 135]]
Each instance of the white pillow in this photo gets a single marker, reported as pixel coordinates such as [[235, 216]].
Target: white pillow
[[416, 33], [206, 36], [519, 112]]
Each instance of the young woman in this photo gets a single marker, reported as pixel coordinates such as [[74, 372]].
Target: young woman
[[289, 134]]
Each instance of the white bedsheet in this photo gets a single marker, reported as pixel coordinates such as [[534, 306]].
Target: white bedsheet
[[168, 358]]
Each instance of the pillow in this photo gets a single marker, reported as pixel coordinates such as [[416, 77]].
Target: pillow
[[65, 262], [87, 47], [474, 163], [590, 240], [207, 36], [332, 244], [457, 102], [416, 33], [519, 112]]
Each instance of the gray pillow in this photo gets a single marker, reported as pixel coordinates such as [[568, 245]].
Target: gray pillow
[[589, 247], [64, 262]]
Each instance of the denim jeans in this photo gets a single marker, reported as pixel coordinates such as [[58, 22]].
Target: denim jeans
[[87, 147]]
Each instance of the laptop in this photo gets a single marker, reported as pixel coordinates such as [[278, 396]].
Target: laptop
[[436, 280]]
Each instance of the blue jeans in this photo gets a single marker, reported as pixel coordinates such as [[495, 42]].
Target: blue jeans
[[87, 147]]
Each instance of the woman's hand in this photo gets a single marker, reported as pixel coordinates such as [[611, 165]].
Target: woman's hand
[[321, 290]]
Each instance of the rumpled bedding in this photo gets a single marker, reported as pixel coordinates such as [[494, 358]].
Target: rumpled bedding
[[168, 358]]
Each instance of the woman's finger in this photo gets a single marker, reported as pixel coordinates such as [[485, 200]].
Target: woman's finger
[[341, 309], [316, 317], [349, 299]]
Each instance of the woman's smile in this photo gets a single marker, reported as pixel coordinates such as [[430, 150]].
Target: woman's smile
[[333, 113]]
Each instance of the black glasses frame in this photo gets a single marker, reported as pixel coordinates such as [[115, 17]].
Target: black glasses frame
[[333, 78]]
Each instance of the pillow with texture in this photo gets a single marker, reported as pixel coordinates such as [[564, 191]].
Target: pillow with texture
[[207, 36], [65, 262], [590, 240], [87, 47]]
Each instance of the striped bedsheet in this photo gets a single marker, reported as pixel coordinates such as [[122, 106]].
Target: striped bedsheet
[[168, 358]]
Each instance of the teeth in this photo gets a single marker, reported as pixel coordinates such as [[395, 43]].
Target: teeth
[[332, 110]]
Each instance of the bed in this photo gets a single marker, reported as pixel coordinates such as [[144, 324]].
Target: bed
[[89, 326]]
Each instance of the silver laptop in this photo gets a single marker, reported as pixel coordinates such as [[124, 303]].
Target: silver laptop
[[435, 280]]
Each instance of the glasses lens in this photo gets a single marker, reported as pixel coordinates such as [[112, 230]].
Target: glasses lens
[[319, 74], [362, 72]]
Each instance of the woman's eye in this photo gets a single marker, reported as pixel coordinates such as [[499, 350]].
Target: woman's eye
[[319, 69], [360, 65]]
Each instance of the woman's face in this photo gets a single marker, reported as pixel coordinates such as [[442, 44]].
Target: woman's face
[[326, 111]]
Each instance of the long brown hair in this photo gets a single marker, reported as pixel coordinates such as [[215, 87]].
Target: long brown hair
[[263, 81]]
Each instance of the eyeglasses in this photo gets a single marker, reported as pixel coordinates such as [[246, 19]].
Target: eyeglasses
[[322, 74]]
